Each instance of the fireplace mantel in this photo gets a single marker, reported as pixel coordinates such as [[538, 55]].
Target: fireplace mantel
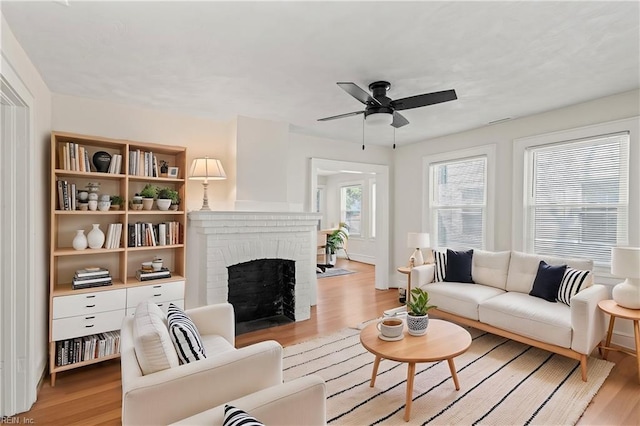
[[218, 239]]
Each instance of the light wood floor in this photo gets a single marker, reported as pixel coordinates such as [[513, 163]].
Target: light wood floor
[[92, 395]]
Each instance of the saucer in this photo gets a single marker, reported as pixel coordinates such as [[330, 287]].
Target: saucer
[[390, 339]]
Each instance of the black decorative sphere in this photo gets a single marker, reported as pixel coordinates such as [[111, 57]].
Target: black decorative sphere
[[101, 161]]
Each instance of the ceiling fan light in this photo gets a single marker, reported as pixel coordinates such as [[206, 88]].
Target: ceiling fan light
[[379, 119]]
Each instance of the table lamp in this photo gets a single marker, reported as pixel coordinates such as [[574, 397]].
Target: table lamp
[[418, 240], [206, 169], [625, 263]]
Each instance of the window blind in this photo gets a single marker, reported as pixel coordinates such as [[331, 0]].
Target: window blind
[[458, 202], [578, 198]]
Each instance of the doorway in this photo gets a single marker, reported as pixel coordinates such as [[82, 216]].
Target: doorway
[[379, 232]]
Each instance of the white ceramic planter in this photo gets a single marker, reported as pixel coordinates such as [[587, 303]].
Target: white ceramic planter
[[417, 325], [163, 203]]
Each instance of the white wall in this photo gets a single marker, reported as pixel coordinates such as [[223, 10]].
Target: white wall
[[29, 75]]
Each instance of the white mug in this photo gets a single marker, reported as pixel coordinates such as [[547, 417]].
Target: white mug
[[93, 205], [391, 327]]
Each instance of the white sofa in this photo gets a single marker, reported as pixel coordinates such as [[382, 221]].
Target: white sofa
[[181, 391], [499, 302]]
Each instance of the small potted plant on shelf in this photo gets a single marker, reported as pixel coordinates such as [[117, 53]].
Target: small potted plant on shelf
[[148, 194], [336, 240], [136, 202], [417, 311], [165, 196], [116, 202], [175, 200]]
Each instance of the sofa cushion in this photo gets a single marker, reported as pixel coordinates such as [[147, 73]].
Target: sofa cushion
[[440, 260], [547, 281], [151, 340], [458, 268], [185, 335], [460, 298], [573, 281], [523, 268], [236, 417], [530, 317], [491, 268]]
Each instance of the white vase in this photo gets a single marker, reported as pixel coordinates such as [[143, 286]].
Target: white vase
[[80, 240], [95, 237]]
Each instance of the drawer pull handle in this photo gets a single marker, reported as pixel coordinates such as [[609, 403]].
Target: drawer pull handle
[[89, 297], [157, 286], [89, 326], [156, 295], [87, 318], [90, 306]]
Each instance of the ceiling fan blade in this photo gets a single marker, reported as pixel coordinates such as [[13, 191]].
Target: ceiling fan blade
[[358, 93], [350, 114], [399, 120], [424, 100]]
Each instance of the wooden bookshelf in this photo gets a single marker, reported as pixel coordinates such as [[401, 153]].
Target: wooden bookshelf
[[121, 261]]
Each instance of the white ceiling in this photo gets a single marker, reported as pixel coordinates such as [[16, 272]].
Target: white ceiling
[[280, 60]]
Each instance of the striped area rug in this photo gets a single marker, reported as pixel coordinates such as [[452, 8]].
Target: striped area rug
[[502, 382]]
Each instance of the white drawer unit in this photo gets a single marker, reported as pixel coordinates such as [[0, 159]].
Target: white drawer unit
[[68, 328], [131, 310], [88, 303], [158, 293]]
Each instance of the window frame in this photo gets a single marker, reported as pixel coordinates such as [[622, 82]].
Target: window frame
[[522, 179], [484, 151]]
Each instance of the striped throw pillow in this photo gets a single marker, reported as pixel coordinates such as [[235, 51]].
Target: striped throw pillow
[[236, 417], [573, 281], [440, 264], [184, 335]]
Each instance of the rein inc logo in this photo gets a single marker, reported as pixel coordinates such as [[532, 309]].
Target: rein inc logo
[[5, 420]]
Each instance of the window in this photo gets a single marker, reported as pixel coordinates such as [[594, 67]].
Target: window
[[351, 208], [458, 202], [577, 199]]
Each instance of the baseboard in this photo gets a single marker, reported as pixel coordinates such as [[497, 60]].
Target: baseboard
[[362, 258], [623, 340]]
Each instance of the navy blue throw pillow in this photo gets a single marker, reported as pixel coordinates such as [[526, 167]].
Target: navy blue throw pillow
[[459, 266], [547, 281]]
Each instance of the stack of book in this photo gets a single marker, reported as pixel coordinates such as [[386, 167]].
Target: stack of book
[[91, 277], [143, 275]]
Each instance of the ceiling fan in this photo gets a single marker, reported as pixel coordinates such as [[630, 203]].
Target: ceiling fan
[[381, 109]]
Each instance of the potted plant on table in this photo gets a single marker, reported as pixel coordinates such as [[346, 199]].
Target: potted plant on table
[[417, 311], [336, 240], [148, 194], [165, 196]]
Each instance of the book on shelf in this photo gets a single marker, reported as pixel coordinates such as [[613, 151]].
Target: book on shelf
[[91, 272], [95, 279], [153, 275], [80, 284]]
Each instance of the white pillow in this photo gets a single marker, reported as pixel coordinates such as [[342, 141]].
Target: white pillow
[[151, 340]]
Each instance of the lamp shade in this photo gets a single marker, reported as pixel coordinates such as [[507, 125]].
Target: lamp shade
[[206, 168], [418, 240], [625, 262]]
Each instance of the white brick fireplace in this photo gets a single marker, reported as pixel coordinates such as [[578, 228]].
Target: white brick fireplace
[[217, 240]]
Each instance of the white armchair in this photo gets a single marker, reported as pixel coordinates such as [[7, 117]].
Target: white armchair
[[298, 402], [175, 393]]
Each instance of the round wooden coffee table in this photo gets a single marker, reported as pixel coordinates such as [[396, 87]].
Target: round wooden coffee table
[[443, 340]]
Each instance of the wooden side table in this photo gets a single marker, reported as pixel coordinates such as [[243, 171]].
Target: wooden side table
[[407, 271], [617, 311]]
